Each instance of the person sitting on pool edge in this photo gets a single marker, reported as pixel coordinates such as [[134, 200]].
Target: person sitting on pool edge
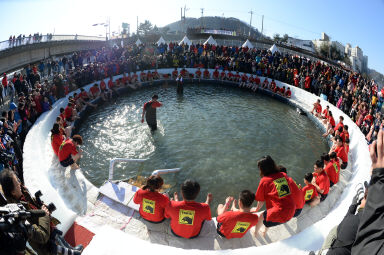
[[274, 191], [68, 153], [152, 203], [187, 217], [320, 180], [309, 191], [236, 222]]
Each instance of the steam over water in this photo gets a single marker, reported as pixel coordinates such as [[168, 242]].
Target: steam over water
[[214, 134]]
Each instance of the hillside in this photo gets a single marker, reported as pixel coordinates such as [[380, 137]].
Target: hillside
[[378, 77], [219, 23]]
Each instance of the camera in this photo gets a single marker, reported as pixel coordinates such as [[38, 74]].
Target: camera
[[51, 207]]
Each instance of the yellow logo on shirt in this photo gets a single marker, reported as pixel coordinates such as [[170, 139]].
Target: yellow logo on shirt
[[186, 217], [308, 194], [148, 206], [282, 187], [336, 168], [241, 227]]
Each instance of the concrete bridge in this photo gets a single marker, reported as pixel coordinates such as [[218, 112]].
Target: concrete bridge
[[19, 53]]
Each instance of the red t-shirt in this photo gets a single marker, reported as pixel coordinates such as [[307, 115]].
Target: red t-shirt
[[275, 191], [56, 141], [94, 90], [340, 151], [331, 120], [332, 172], [84, 95], [322, 181], [297, 193], [68, 112], [175, 73], [216, 74], [206, 74], [198, 73], [153, 104], [152, 204], [236, 224], [110, 84], [257, 80], [318, 108], [340, 124], [309, 192], [187, 217], [103, 86], [325, 113], [67, 148], [288, 93], [307, 83]]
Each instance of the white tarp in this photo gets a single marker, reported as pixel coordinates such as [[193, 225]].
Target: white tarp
[[160, 41], [185, 41], [274, 48], [138, 42], [210, 40], [248, 44]]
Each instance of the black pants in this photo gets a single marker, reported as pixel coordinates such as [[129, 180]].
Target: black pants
[[153, 127]]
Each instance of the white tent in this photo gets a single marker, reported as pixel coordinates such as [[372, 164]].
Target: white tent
[[185, 41], [138, 42], [274, 48], [247, 44], [160, 41], [210, 40]]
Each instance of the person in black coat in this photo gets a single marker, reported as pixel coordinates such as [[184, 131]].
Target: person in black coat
[[370, 234]]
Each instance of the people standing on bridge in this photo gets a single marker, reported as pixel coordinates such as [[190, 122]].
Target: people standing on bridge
[[149, 110]]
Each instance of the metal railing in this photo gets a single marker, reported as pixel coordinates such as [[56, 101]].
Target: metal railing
[[4, 45]]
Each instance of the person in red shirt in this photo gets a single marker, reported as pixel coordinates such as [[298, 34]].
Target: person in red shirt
[[344, 134], [296, 192], [223, 75], [335, 162], [68, 154], [198, 74], [330, 124], [288, 93], [340, 124], [156, 75], [175, 73], [187, 217], [257, 80], [273, 85], [244, 80], [143, 77], [94, 91], [206, 74], [320, 180], [149, 110], [68, 113], [307, 83], [215, 74], [325, 112], [236, 222], [332, 172], [341, 153], [274, 191], [236, 77], [265, 83], [152, 203], [309, 191], [316, 110], [57, 138]]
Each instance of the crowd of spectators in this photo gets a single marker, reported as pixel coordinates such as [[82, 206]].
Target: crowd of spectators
[[34, 90], [21, 39]]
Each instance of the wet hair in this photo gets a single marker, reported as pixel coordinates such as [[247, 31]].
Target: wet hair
[[155, 96], [282, 169], [346, 127], [247, 197], [61, 110], [308, 177], [333, 155], [190, 189], [341, 117], [340, 129], [55, 129], [325, 157], [338, 138], [267, 166], [81, 89], [347, 140], [319, 163], [154, 182], [6, 181], [78, 139]]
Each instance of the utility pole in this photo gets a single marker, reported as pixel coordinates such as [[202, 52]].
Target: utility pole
[[202, 15], [262, 25], [250, 23], [137, 25], [185, 9]]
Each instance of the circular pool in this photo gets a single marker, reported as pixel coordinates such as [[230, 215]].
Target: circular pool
[[214, 133]]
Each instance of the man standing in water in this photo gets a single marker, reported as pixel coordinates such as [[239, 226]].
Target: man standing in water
[[149, 110]]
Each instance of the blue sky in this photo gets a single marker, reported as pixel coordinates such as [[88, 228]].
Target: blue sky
[[357, 22]]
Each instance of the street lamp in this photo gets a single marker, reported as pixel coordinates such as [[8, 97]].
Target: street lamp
[[106, 25]]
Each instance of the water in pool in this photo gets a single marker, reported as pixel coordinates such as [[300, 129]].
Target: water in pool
[[215, 134]]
